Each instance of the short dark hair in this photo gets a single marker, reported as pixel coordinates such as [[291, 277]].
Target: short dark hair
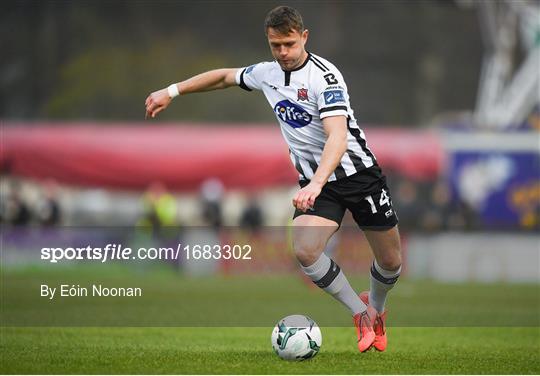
[[284, 19]]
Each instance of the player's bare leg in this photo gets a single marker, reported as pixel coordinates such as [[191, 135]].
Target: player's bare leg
[[310, 236], [384, 274], [386, 247]]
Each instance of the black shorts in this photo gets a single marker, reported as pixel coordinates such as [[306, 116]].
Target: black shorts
[[365, 194]]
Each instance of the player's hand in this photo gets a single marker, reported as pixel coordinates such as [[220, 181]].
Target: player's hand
[[305, 197], [157, 102]]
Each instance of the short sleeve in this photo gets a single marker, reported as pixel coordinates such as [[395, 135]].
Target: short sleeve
[[250, 78], [331, 93]]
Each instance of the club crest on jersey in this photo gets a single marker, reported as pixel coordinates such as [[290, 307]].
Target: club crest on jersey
[[302, 95], [292, 114]]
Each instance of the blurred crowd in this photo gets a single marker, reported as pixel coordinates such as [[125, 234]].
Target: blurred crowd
[[29, 204], [428, 207], [422, 206]]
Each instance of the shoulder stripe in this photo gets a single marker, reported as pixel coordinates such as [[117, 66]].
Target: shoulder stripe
[[317, 64], [318, 61], [333, 108], [242, 83]]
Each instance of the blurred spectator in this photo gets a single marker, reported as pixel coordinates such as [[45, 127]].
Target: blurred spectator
[[15, 210], [407, 204], [436, 215], [468, 216], [252, 215], [159, 209], [211, 201], [47, 208]]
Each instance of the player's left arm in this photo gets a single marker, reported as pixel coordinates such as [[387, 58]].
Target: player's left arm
[[334, 148]]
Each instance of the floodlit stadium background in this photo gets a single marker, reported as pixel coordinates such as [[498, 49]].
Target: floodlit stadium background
[[446, 91]]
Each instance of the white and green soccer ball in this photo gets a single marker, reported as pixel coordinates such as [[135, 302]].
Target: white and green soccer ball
[[296, 337]]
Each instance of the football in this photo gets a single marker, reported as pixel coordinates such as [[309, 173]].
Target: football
[[296, 337]]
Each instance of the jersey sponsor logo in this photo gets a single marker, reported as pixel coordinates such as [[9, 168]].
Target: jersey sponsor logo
[[250, 68], [292, 114], [302, 95], [334, 96]]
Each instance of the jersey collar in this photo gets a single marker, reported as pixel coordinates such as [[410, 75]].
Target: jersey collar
[[301, 66]]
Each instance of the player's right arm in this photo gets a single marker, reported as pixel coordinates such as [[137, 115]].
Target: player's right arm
[[211, 80]]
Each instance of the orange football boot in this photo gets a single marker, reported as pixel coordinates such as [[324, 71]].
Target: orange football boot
[[363, 322], [379, 326]]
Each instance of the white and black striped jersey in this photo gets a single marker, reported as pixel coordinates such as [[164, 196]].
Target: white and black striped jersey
[[301, 98]]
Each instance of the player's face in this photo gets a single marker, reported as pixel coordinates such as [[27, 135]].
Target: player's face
[[288, 50]]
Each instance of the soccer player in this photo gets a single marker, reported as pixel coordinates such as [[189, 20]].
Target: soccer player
[[337, 171]]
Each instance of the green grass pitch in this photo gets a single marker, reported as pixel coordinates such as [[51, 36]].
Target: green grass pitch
[[482, 345], [247, 350]]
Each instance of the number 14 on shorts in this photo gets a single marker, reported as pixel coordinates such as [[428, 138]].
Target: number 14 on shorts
[[383, 200]]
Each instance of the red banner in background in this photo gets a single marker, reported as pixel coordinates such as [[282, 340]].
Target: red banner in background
[[182, 156]]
